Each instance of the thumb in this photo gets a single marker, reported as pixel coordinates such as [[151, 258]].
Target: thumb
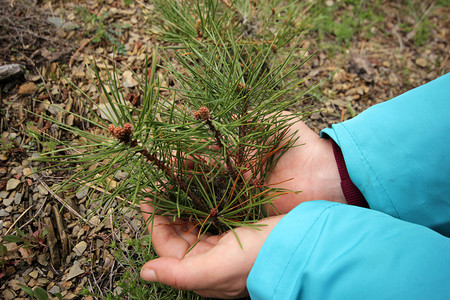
[[182, 274]]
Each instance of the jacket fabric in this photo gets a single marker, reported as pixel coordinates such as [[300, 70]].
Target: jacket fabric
[[398, 155]]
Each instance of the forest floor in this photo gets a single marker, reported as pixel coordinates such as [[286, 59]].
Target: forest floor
[[398, 47]]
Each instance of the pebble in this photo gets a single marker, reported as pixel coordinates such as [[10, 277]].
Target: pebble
[[120, 175], [8, 201], [34, 274], [3, 213], [3, 171], [75, 270], [82, 193], [42, 281], [54, 290], [65, 285], [95, 220], [421, 62], [42, 190], [80, 248], [33, 282], [18, 198], [128, 80], [14, 284], [16, 170], [136, 224], [12, 184], [4, 194], [43, 259], [9, 294], [28, 88], [315, 116]]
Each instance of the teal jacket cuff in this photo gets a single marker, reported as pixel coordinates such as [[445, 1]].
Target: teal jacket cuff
[[397, 154], [323, 250]]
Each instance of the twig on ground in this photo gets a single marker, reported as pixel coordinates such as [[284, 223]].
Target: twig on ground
[[72, 59], [53, 194], [15, 222]]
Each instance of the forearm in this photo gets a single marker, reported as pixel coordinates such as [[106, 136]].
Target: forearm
[[324, 250], [396, 153]]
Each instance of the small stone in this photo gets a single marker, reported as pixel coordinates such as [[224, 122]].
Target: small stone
[[80, 248], [421, 62], [315, 116], [18, 198], [33, 282], [4, 194], [128, 80], [99, 243], [65, 285], [42, 190], [69, 120], [136, 224], [75, 230], [8, 201], [55, 108], [43, 281], [9, 294], [82, 193], [75, 270], [15, 284], [120, 175], [3, 213], [43, 259], [12, 184], [34, 274], [3, 171], [55, 290], [95, 220], [80, 233], [28, 88], [117, 291], [106, 112]]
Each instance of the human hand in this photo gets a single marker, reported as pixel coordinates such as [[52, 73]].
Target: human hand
[[310, 168], [217, 266]]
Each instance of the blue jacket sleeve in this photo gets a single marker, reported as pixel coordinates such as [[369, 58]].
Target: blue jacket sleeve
[[398, 154], [324, 250]]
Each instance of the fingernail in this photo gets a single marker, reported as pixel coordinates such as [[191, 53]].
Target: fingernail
[[148, 274]]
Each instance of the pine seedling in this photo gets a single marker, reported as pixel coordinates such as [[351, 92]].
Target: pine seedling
[[202, 149]]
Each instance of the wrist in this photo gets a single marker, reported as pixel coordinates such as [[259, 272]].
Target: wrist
[[329, 176]]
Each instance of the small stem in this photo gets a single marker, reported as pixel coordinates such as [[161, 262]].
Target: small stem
[[168, 171], [124, 135], [217, 135]]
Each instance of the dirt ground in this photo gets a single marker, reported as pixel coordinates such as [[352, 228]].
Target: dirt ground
[[53, 41]]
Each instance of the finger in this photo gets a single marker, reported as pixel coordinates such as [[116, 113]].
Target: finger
[[169, 238], [206, 273], [165, 239]]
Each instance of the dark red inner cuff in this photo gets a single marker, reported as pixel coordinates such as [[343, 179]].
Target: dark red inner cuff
[[352, 195]]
